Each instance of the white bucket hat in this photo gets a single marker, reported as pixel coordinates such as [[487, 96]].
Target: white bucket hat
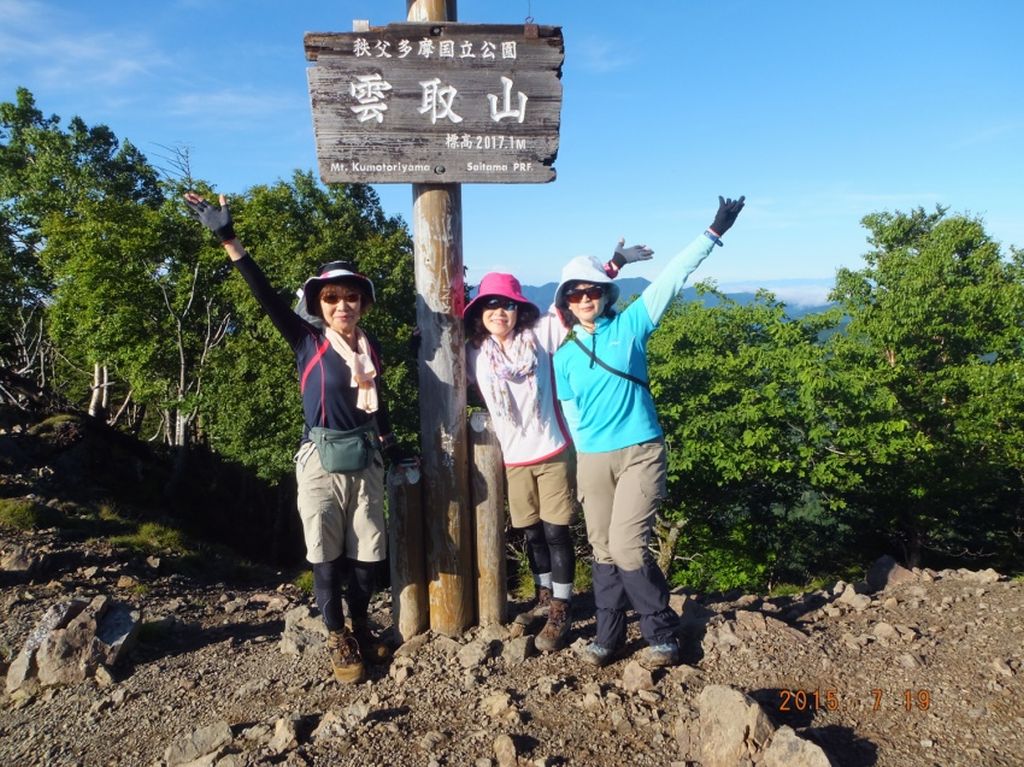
[[585, 269]]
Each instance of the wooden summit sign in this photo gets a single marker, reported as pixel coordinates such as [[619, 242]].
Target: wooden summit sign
[[437, 103]]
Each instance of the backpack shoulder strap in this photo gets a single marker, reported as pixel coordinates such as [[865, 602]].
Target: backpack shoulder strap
[[609, 368]]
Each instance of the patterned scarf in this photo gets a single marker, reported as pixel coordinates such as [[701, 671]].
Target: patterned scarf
[[361, 364], [515, 362]]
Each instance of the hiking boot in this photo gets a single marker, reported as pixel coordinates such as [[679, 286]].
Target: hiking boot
[[538, 610], [553, 634], [598, 655], [371, 647], [346, 660], [658, 655]]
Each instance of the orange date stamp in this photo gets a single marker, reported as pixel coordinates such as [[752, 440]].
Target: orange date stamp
[[829, 699]]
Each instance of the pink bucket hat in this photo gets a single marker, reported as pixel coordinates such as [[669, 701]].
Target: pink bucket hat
[[498, 284]]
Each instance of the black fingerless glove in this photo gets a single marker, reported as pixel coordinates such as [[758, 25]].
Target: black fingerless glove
[[216, 219]]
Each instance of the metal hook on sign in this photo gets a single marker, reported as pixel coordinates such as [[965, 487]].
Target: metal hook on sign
[[529, 27]]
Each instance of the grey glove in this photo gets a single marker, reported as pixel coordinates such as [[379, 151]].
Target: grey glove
[[216, 219], [624, 255]]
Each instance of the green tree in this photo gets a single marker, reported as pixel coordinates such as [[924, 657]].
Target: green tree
[[738, 391], [56, 181], [934, 338]]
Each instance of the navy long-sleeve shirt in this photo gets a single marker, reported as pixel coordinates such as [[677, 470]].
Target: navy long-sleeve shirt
[[328, 398]]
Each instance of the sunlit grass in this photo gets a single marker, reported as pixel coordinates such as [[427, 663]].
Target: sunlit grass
[[26, 514], [304, 582]]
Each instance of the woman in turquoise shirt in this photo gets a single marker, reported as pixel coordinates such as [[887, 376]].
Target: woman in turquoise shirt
[[601, 379]]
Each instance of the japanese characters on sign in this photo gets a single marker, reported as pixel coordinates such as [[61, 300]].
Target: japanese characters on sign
[[437, 103]]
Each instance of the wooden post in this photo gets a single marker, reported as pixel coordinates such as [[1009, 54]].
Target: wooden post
[[488, 484], [437, 242], [408, 566]]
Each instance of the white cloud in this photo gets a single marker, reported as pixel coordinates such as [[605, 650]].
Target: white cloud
[[597, 55], [987, 135], [234, 102], [57, 50], [794, 292]]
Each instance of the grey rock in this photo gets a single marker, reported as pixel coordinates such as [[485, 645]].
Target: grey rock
[[303, 633], [411, 647], [910, 661], [981, 576], [495, 632], [635, 677], [24, 665], [505, 751], [518, 649], [331, 725], [208, 760], [886, 572], [777, 626], [205, 740], [733, 728], [885, 631], [401, 669], [496, 705], [68, 655], [117, 632], [750, 622], [686, 732], [19, 559], [474, 654], [285, 737], [1002, 667], [851, 598], [788, 749], [446, 646], [432, 740]]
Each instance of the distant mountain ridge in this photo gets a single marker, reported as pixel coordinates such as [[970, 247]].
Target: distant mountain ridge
[[543, 295]]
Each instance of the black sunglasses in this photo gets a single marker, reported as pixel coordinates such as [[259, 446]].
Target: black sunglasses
[[575, 296], [497, 302]]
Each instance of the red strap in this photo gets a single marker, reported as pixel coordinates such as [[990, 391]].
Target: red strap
[[313, 361]]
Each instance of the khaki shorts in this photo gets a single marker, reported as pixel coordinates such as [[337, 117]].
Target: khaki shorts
[[542, 491], [342, 513]]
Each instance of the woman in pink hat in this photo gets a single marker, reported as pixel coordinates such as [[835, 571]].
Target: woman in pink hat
[[509, 351]]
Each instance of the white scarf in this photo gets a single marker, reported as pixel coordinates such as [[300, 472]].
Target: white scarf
[[515, 362], [361, 364]]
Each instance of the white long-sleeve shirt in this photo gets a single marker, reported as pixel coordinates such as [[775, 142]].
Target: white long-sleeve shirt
[[530, 439]]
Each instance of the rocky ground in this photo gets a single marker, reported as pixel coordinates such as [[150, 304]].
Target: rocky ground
[[910, 668], [114, 658]]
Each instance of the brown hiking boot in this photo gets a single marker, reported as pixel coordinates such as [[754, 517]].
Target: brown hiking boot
[[372, 648], [552, 636], [346, 661], [538, 610]]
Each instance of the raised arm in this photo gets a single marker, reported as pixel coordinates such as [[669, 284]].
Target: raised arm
[[666, 286], [218, 220]]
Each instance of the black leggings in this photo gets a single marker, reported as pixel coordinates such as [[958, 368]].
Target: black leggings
[[328, 578], [549, 549]]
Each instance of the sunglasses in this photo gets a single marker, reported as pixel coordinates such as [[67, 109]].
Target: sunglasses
[[496, 302], [331, 297], [575, 296]]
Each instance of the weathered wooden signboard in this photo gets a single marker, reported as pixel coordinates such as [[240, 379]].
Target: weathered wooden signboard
[[437, 103]]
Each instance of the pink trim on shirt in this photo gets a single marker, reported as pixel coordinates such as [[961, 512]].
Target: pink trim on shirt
[[535, 461]]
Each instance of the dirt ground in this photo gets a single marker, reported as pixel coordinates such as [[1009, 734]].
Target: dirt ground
[[928, 672]]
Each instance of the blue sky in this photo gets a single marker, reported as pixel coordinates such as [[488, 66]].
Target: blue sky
[[819, 112]]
